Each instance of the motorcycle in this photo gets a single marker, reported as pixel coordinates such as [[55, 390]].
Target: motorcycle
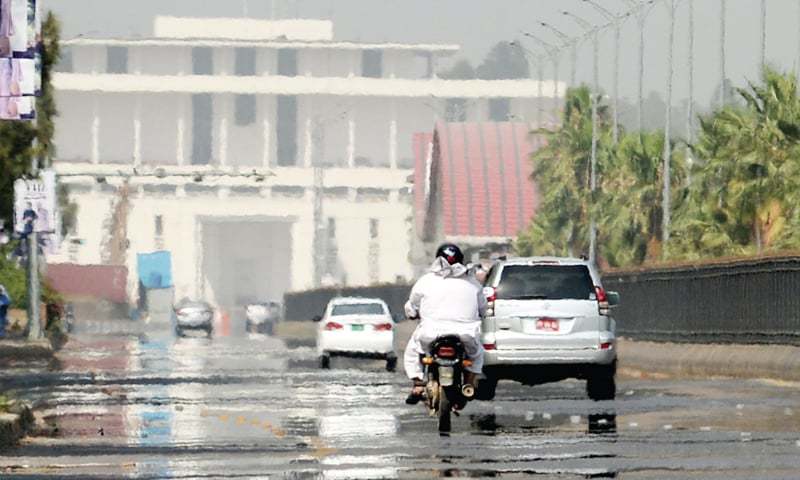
[[446, 391]]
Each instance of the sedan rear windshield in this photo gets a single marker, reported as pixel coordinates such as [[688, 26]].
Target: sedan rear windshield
[[546, 282], [358, 309]]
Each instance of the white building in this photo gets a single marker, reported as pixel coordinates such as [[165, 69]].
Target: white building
[[204, 139]]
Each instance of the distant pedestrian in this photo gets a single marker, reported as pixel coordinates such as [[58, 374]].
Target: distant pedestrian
[[5, 301]]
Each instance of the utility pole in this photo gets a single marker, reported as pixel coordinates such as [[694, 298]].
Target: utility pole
[[722, 15], [667, 147], [763, 35], [690, 105], [34, 329], [319, 240], [552, 52]]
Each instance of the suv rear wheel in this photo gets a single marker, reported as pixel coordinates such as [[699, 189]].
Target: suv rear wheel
[[601, 384]]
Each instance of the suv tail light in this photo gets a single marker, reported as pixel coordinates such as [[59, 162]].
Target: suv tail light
[[491, 296], [333, 326], [446, 352], [602, 300], [383, 327]]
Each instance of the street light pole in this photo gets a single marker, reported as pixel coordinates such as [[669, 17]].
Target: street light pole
[[763, 35], [595, 92], [34, 329], [616, 21], [690, 106], [667, 147], [573, 51], [552, 52], [722, 15]]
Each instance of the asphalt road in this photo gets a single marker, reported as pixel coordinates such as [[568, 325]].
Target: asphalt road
[[120, 404]]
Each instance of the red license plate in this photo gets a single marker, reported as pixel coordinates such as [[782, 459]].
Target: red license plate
[[547, 324]]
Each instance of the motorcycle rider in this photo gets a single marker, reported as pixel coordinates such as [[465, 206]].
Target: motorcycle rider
[[449, 301]]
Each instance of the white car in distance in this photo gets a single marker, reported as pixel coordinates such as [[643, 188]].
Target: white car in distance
[[356, 328]]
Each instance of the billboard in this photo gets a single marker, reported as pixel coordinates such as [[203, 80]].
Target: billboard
[[35, 208], [20, 58]]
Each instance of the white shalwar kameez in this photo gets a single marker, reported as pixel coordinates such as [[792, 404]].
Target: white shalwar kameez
[[449, 301]]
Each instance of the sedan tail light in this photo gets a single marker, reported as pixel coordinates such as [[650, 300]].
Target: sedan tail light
[[490, 346], [333, 326], [383, 327]]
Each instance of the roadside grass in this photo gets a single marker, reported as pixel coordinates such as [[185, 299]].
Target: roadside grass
[[5, 402]]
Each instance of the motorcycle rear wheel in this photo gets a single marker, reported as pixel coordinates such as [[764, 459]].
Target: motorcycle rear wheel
[[444, 411]]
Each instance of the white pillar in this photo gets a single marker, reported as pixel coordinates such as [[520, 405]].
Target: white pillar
[[393, 136], [137, 131], [180, 149], [95, 131], [267, 107], [223, 101], [351, 140]]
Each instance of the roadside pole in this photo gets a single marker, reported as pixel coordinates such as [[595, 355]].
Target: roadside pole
[[34, 325]]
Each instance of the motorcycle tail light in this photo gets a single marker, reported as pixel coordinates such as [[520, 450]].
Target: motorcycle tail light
[[446, 352], [427, 360]]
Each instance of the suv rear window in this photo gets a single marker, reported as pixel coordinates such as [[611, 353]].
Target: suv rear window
[[545, 282], [358, 309]]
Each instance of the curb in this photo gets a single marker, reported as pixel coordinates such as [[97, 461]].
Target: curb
[[25, 350], [694, 360], [14, 425]]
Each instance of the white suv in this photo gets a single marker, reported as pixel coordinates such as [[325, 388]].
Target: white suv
[[548, 319]]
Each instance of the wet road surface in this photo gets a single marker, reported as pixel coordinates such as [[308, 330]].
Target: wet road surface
[[119, 404]]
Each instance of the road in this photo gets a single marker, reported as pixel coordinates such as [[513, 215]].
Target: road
[[122, 404]]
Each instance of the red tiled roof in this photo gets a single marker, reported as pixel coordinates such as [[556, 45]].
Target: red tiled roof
[[485, 170]]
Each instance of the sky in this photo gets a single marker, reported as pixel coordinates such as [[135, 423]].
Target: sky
[[476, 25]]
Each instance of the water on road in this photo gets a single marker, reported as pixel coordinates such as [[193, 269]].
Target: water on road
[[122, 404]]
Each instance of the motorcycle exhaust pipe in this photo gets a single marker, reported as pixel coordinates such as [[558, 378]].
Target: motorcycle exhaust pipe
[[467, 390]]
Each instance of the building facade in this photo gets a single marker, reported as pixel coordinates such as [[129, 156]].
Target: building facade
[[264, 155]]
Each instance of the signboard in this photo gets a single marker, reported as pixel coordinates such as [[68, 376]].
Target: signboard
[[20, 58], [35, 208]]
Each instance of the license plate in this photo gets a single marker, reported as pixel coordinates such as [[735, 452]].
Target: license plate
[[356, 328], [547, 324], [445, 376]]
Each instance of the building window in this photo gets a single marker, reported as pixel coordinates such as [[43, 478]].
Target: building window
[[287, 62], [202, 124], [117, 60], [202, 61], [374, 225], [456, 109], [372, 63], [245, 62], [65, 62], [159, 225], [331, 228], [245, 110], [286, 129], [499, 109]]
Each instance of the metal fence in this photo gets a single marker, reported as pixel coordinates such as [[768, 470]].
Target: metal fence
[[746, 301], [308, 304]]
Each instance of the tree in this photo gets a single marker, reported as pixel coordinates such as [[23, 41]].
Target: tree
[[504, 61], [744, 200]]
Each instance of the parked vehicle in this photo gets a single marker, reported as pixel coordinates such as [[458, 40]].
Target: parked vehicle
[[549, 319], [261, 317], [356, 327], [445, 388], [194, 315]]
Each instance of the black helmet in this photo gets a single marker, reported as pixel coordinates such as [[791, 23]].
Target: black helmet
[[451, 253]]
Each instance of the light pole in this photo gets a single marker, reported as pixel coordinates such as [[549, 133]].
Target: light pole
[[642, 18], [616, 21], [552, 52], [722, 15], [537, 60], [667, 147], [595, 91], [763, 35], [690, 106], [567, 41]]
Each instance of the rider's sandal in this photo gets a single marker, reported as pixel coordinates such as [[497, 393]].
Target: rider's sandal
[[416, 392]]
